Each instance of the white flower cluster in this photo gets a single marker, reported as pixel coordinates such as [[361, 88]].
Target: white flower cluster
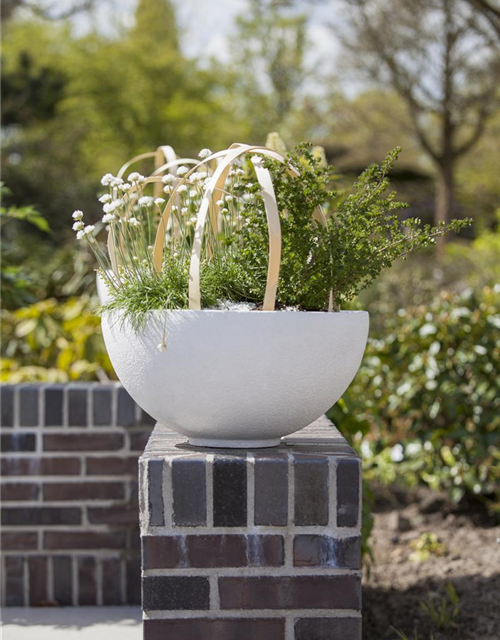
[[204, 153], [136, 177], [112, 206], [81, 230], [109, 180]]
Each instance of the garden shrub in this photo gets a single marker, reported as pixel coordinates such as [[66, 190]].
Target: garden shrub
[[425, 405], [53, 341]]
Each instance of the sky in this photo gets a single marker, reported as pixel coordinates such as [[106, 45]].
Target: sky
[[207, 25]]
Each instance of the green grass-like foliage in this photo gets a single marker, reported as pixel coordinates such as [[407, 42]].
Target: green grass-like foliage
[[363, 236]]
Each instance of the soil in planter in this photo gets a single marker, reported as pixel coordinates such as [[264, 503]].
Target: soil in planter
[[470, 560]]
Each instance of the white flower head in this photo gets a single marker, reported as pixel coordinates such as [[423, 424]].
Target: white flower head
[[256, 159], [181, 188], [125, 186], [87, 231], [229, 198], [193, 219], [135, 176], [182, 170], [107, 179], [77, 215], [167, 189], [108, 217], [112, 206], [159, 201], [145, 201], [134, 222], [78, 226], [167, 178], [105, 198], [116, 182], [204, 153], [219, 203], [193, 193], [224, 211], [184, 210]]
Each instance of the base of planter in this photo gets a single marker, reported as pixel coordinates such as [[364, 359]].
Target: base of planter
[[234, 444]]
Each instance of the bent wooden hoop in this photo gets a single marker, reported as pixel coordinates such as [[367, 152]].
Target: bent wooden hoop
[[215, 185]]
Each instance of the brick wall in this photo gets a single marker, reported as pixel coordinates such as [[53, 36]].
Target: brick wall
[[69, 494], [251, 544]]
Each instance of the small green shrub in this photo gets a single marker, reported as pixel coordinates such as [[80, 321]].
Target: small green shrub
[[425, 405], [50, 341]]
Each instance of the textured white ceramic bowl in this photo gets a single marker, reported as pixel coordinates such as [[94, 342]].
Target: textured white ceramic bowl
[[237, 379]]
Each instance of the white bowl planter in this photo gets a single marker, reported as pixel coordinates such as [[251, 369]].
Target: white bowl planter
[[234, 378], [237, 379]]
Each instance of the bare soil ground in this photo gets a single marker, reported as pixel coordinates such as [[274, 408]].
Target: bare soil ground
[[470, 560]]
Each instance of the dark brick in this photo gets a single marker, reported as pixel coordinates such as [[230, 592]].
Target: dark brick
[[87, 583], [290, 592], [16, 442], [325, 551], [271, 490], [155, 493], [102, 399], [139, 440], [125, 414], [37, 569], [133, 579], [17, 540], [215, 629], [119, 514], [169, 593], [311, 490], [18, 491], [189, 492], [36, 466], [61, 540], [83, 442], [54, 406], [112, 466], [230, 492], [62, 569], [134, 543], [111, 581], [35, 516], [14, 581], [348, 479], [28, 406], [84, 491], [7, 408], [205, 551], [328, 629], [77, 407]]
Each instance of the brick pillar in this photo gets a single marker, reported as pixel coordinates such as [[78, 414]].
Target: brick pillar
[[246, 545]]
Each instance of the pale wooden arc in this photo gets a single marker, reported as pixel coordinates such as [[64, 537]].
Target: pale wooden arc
[[225, 159]]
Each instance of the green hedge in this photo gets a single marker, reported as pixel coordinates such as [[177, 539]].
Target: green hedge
[[425, 405]]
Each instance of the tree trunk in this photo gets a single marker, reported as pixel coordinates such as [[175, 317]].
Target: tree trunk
[[445, 189]]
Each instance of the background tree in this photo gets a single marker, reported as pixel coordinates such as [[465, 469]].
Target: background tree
[[442, 58], [269, 50]]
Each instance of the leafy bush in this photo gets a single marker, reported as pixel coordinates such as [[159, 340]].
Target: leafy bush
[[54, 342], [425, 405]]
